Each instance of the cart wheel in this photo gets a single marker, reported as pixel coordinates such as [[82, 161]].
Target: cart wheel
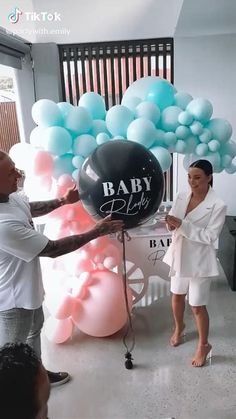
[[136, 281]]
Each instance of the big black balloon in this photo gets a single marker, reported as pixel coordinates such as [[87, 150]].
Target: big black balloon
[[123, 178]]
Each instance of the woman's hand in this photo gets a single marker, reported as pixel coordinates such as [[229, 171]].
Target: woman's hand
[[173, 222]]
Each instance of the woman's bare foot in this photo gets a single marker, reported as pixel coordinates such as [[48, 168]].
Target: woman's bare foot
[[178, 337], [201, 354]]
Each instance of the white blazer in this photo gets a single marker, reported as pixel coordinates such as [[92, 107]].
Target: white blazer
[[192, 252]]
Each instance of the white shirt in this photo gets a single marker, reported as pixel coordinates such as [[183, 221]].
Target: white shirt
[[20, 272]]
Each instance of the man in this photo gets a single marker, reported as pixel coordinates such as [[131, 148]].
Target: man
[[21, 289], [24, 384]]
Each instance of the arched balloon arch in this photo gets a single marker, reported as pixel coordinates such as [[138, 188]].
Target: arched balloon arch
[[152, 114]]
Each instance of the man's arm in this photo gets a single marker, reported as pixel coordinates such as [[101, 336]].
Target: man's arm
[[39, 208], [55, 248]]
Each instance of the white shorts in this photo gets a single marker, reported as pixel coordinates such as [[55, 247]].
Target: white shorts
[[198, 289]]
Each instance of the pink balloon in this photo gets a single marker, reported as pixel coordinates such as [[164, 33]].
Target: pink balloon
[[59, 304], [58, 331], [110, 262], [43, 163], [103, 312]]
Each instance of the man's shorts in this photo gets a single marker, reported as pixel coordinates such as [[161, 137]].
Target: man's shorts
[[198, 289]]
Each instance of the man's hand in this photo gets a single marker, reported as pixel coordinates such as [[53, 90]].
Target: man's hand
[[71, 196], [173, 222], [107, 226]]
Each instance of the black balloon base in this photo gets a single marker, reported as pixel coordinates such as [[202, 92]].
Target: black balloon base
[[128, 362]]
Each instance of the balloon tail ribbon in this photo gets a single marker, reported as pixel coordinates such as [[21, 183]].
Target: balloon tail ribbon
[[129, 332]]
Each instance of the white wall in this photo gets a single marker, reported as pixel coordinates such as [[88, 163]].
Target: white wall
[[206, 67]]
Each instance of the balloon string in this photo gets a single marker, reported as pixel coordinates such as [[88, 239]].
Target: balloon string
[[129, 326]]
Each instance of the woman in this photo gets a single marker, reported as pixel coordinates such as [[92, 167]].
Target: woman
[[196, 219]]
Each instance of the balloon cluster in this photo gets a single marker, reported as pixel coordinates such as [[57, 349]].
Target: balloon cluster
[[152, 113]]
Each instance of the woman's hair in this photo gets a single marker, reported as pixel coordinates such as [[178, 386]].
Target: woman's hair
[[206, 166]]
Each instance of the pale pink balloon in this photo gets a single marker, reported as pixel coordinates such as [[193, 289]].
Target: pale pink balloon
[[110, 262], [103, 312], [59, 304], [58, 331], [42, 163], [83, 265], [46, 182]]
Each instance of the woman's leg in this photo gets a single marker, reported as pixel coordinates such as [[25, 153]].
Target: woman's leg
[[202, 322], [199, 290], [178, 307]]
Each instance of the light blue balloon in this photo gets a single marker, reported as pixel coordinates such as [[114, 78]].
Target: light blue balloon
[[160, 138], [229, 148], [64, 107], [78, 120], [220, 128], [205, 136], [94, 103], [180, 147], [201, 149], [84, 145], [182, 132], [214, 145], [77, 161], [118, 137], [102, 138], [182, 100], [142, 131], [98, 125], [196, 128], [169, 118], [170, 139], [161, 93], [191, 144], [163, 156], [46, 113], [231, 169], [201, 109], [148, 110], [118, 119], [131, 102], [63, 165], [185, 118], [226, 161], [214, 159], [57, 140], [75, 175], [141, 87]]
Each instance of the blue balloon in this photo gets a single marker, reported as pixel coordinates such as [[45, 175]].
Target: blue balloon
[[182, 100], [64, 107], [191, 144], [201, 149], [221, 129], [196, 128], [182, 132], [161, 93], [94, 103], [98, 125], [118, 119], [226, 161], [84, 145], [229, 148], [131, 102], [160, 138], [78, 120], [102, 138], [205, 136], [169, 118], [214, 145], [63, 165], [231, 169], [77, 161], [170, 139], [163, 156], [180, 147], [142, 131], [185, 118], [57, 140], [148, 110], [201, 109], [46, 113]]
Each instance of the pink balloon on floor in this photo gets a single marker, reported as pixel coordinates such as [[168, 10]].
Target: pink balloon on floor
[[103, 312], [60, 304], [58, 331]]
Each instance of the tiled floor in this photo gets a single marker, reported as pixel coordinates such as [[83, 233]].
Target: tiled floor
[[163, 384]]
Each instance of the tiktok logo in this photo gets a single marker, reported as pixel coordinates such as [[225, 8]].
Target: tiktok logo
[[14, 16]]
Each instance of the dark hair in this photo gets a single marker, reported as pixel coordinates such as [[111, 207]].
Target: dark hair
[[19, 369], [206, 166]]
